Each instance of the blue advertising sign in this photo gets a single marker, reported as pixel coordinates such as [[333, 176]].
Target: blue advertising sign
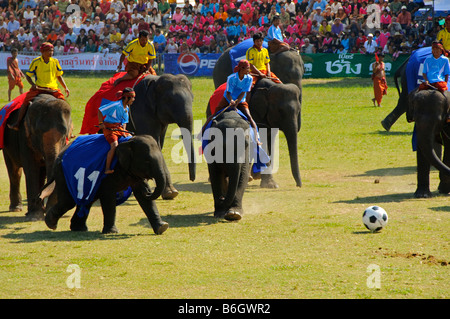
[[190, 64]]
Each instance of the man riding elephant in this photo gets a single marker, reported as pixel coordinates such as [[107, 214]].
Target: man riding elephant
[[141, 53], [275, 37], [259, 59], [46, 71]]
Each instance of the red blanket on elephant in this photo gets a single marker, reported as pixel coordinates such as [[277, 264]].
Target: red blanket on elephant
[[6, 111], [107, 91], [216, 97]]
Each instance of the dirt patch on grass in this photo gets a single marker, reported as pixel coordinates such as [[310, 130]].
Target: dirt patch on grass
[[424, 258]]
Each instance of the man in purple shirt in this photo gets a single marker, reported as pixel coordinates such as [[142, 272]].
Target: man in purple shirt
[[337, 27]]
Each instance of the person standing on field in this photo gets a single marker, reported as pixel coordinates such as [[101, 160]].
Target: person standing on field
[[15, 75], [379, 80]]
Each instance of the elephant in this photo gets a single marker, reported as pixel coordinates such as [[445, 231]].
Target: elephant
[[33, 149], [275, 105], [138, 160], [287, 65], [160, 101], [429, 109], [228, 173]]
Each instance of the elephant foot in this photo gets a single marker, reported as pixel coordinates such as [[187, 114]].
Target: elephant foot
[[110, 230], [15, 208], [169, 193], [219, 214], [386, 125], [78, 223], [256, 175], [268, 183], [232, 215], [162, 228], [444, 188], [34, 216], [422, 193]]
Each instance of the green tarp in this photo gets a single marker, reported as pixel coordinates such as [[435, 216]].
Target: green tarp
[[327, 65]]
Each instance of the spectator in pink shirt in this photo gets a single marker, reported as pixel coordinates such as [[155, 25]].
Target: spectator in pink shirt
[[385, 18]]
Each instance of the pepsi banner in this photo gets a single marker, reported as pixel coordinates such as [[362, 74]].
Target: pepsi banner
[[190, 64]]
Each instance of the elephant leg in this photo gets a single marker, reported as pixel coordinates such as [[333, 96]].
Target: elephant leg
[[236, 211], [267, 180], [34, 178], [15, 174], [78, 221], [170, 192], [218, 187], [108, 203], [57, 211], [141, 192], [423, 176], [398, 111]]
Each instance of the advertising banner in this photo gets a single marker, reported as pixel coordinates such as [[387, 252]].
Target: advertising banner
[[76, 62], [327, 65], [190, 64]]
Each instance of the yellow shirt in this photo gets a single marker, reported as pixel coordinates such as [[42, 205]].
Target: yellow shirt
[[139, 54], [258, 58], [444, 35], [115, 38], [45, 74]]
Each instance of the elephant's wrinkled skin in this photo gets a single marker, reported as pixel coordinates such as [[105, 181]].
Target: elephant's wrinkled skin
[[160, 101], [34, 148], [429, 109], [139, 159], [277, 106], [229, 178]]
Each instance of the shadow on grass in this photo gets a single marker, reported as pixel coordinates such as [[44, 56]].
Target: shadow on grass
[[391, 133], [182, 221], [65, 235], [389, 198], [391, 171], [445, 209], [197, 187]]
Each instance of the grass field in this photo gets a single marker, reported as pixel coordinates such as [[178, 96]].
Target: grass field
[[292, 242]]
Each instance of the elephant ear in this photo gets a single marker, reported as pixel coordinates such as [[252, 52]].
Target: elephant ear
[[145, 94], [259, 101], [183, 79], [124, 155]]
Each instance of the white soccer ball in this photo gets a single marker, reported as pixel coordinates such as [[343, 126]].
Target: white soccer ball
[[375, 218]]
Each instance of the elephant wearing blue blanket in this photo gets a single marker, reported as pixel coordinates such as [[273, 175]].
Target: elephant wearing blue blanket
[[138, 160]]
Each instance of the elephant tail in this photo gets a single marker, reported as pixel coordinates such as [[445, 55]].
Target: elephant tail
[[398, 74]]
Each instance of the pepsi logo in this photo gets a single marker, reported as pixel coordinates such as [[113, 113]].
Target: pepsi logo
[[188, 63]]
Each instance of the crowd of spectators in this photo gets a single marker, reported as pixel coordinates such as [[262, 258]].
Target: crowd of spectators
[[211, 26]]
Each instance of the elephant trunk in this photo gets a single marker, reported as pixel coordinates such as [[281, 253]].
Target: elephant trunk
[[233, 182], [160, 180], [291, 138], [51, 145], [188, 141]]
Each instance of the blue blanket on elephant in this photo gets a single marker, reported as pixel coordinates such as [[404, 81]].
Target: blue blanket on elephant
[[258, 156], [414, 68], [237, 53], [84, 166]]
